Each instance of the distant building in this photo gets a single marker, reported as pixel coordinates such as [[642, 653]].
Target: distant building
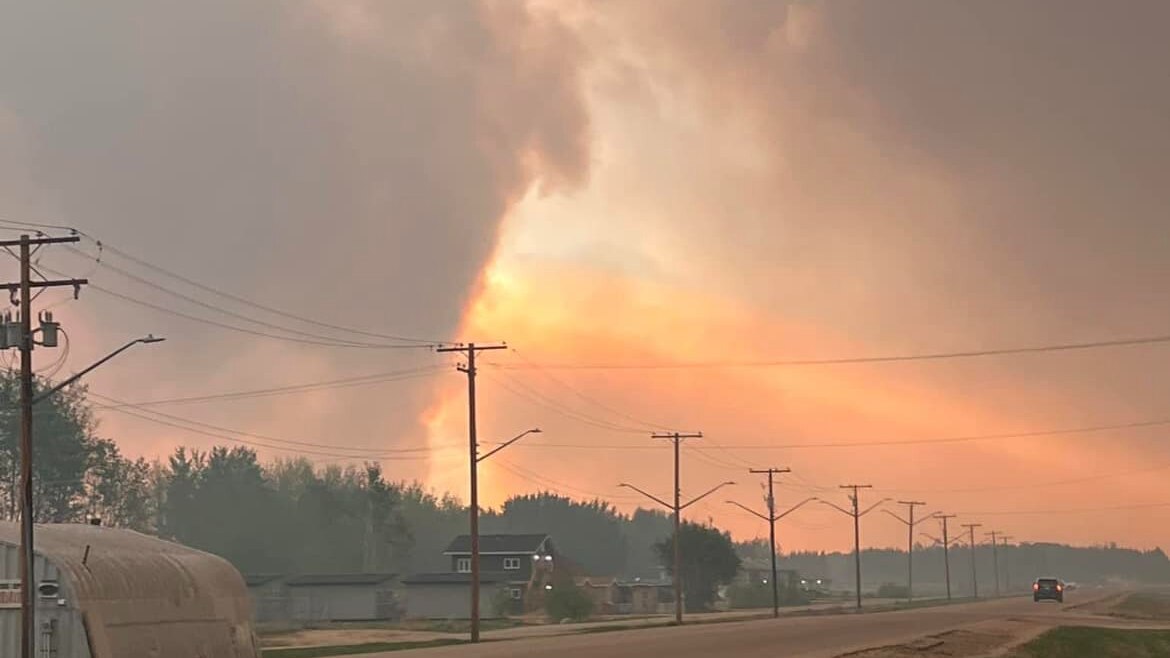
[[514, 571], [324, 597], [110, 593], [343, 597]]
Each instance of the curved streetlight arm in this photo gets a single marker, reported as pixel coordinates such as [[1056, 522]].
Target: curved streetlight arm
[[904, 521], [704, 495], [145, 341], [750, 510], [648, 495], [835, 506], [874, 506], [795, 507], [936, 540], [505, 444]]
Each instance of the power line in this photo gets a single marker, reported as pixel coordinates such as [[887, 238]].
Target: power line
[[364, 380], [253, 332], [541, 400], [961, 439], [930, 356], [247, 302], [587, 398], [229, 434], [1075, 510], [232, 314]]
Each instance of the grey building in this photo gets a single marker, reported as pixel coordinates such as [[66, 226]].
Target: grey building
[[514, 569], [342, 597], [269, 597], [110, 593]]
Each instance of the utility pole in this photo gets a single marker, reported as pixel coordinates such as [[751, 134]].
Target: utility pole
[[946, 542], [676, 438], [910, 504], [772, 517], [771, 472], [470, 350], [995, 558], [25, 342], [1007, 560], [856, 514], [974, 576]]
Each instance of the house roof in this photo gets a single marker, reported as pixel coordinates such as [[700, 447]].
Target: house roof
[[452, 578], [257, 579], [498, 544], [141, 595], [320, 579]]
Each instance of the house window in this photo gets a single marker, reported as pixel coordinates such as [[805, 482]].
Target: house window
[[463, 565], [511, 563], [515, 593]]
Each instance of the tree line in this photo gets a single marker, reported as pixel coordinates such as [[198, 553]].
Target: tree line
[[294, 516]]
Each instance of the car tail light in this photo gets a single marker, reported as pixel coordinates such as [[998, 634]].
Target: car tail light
[[1035, 587], [1060, 588]]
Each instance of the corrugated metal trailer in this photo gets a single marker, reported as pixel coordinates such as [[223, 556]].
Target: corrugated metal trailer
[[109, 593]]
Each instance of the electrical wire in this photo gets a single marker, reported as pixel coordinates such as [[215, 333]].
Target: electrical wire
[[233, 314], [363, 452], [1075, 510], [543, 401], [365, 380], [247, 302], [587, 398], [930, 356]]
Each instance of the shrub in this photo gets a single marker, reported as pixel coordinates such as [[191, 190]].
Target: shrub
[[568, 602]]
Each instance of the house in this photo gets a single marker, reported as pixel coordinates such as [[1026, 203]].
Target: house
[[112, 593], [514, 571], [604, 592], [612, 596]]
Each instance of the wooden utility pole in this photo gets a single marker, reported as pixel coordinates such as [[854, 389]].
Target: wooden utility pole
[[910, 523], [1007, 561], [676, 439], [974, 575], [856, 514], [25, 342], [995, 558], [946, 542], [771, 473], [470, 350]]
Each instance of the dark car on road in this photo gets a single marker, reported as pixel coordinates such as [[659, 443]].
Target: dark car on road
[[1048, 589]]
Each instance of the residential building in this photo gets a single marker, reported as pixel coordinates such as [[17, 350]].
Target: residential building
[[514, 572]]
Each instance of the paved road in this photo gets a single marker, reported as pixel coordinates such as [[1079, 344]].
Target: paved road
[[802, 637]]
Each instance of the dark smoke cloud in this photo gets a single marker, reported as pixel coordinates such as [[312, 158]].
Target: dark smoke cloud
[[345, 160]]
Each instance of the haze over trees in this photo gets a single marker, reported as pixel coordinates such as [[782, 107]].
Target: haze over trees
[[292, 515]]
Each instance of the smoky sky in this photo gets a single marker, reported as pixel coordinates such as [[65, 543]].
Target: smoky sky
[[348, 161], [942, 175]]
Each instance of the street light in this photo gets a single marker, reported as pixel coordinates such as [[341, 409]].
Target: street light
[[26, 515], [677, 508], [145, 340], [474, 514]]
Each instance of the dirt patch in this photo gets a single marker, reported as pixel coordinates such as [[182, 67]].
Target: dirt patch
[[332, 637], [985, 640], [1153, 605]]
